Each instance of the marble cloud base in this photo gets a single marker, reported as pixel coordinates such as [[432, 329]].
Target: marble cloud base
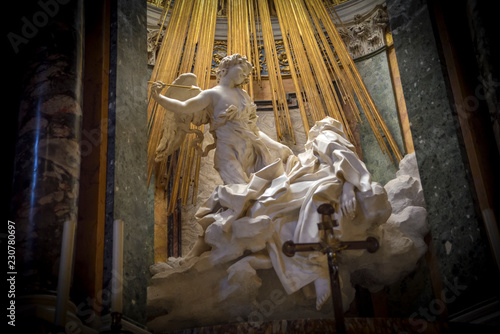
[[192, 299]]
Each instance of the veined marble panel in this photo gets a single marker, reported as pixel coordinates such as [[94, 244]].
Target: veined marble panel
[[127, 193], [377, 78], [460, 248]]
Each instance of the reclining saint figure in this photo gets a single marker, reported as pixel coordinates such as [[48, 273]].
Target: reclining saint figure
[[270, 195]]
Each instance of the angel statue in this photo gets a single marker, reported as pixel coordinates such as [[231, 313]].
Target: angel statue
[[241, 148], [269, 194]]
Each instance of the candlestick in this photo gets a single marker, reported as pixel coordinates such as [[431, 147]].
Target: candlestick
[[65, 272], [117, 274]]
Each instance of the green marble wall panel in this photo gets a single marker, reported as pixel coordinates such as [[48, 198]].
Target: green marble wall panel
[[377, 78], [461, 250], [127, 198], [408, 294]]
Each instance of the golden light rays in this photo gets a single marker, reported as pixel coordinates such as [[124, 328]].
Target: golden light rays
[[323, 73]]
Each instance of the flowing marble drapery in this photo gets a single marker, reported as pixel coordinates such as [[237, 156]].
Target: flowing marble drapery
[[245, 226], [280, 203]]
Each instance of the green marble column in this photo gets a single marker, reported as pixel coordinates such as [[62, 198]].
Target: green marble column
[[47, 165]]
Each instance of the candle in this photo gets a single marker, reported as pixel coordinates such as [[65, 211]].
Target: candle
[[117, 274], [65, 272]]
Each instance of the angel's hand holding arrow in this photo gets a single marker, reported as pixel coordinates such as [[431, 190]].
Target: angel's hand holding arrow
[[157, 87]]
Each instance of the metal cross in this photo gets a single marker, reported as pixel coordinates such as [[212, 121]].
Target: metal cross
[[330, 245]]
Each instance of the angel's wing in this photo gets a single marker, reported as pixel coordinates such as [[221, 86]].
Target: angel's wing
[[176, 127]]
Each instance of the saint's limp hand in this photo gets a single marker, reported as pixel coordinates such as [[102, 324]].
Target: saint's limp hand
[[348, 200]]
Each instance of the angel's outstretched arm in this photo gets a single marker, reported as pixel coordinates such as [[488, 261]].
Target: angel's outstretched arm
[[190, 106]]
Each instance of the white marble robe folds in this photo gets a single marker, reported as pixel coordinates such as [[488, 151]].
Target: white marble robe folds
[[247, 224], [252, 221]]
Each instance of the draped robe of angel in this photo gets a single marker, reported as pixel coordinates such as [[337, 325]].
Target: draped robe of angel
[[270, 195]]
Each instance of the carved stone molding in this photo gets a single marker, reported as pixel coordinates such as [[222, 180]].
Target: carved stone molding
[[220, 51], [153, 45], [362, 35], [366, 33]]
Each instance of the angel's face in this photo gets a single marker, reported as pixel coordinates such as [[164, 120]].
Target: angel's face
[[238, 73]]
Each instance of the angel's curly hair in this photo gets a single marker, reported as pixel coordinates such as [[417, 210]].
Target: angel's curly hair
[[228, 61]]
